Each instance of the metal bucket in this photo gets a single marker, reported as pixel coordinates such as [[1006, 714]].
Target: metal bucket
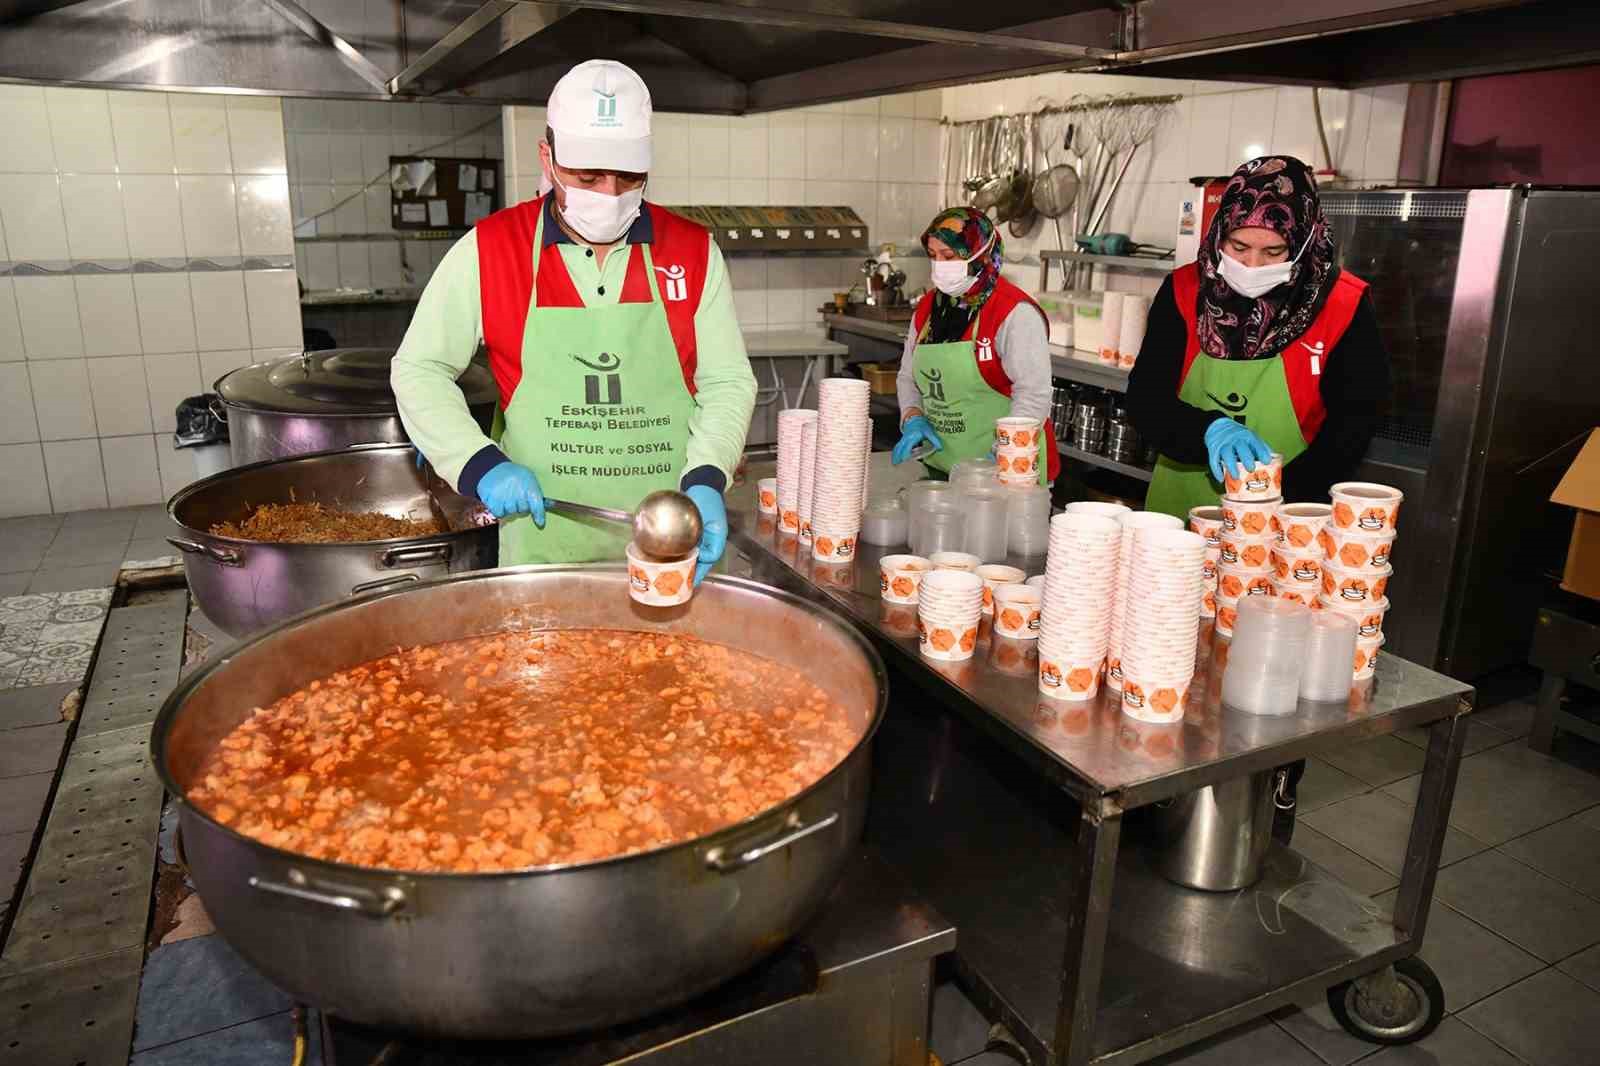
[[1215, 838]]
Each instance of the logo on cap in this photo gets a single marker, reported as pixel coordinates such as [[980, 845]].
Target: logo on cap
[[605, 108]]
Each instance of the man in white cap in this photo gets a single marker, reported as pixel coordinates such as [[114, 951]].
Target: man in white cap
[[610, 330]]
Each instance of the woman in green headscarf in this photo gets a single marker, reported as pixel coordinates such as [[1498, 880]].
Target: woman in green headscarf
[[977, 350]]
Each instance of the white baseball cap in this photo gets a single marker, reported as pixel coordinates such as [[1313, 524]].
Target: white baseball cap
[[600, 112]]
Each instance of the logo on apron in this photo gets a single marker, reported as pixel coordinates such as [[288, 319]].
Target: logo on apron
[[1233, 406], [935, 389], [677, 288], [986, 350], [606, 366]]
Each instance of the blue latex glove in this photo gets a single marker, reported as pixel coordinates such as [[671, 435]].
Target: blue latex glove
[[713, 527], [1230, 446], [508, 489], [916, 430]]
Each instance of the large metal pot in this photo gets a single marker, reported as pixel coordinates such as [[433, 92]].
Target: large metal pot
[[553, 949], [317, 401], [245, 585]]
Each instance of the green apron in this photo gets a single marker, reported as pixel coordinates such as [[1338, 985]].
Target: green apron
[[601, 416], [960, 405], [1252, 391]]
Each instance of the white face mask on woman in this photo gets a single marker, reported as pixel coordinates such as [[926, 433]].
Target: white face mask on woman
[[598, 218], [1259, 280], [953, 277]]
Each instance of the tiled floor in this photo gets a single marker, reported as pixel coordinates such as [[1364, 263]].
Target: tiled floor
[[56, 553]]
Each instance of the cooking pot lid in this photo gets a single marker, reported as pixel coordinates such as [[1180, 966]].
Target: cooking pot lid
[[330, 382]]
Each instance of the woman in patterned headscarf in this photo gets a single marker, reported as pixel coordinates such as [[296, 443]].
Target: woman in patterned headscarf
[[977, 350], [1262, 345]]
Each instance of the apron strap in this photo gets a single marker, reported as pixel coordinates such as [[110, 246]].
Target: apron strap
[[505, 283]]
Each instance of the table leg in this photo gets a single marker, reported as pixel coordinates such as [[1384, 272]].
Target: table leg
[[1446, 739], [1088, 911], [1551, 689]]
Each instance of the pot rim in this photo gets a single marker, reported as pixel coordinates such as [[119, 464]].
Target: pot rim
[[195, 487], [171, 707]]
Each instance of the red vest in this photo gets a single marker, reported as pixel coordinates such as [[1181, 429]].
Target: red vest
[[679, 248], [981, 331], [1304, 360]]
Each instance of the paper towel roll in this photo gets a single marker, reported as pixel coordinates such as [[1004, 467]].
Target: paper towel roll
[[1110, 327], [1135, 313]]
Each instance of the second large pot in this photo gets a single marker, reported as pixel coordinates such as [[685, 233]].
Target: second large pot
[[548, 950]]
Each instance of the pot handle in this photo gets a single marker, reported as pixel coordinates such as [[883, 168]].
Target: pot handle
[[380, 904], [382, 583], [415, 555], [225, 556], [793, 829]]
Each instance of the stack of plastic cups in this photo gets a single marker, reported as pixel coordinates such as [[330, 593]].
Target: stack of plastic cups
[[974, 473], [841, 455], [1270, 645], [987, 513], [1075, 612], [1297, 551], [949, 606], [1027, 520], [921, 498], [1017, 450], [1357, 542], [1207, 522], [791, 424], [808, 476], [1161, 623], [1330, 652], [1133, 522]]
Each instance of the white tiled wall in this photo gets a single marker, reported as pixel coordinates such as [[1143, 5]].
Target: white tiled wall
[[95, 351], [336, 150]]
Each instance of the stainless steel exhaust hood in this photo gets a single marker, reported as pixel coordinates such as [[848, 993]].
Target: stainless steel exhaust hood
[[738, 56]]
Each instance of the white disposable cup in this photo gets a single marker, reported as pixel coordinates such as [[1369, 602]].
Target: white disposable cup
[[1353, 550], [994, 575], [1017, 433], [1207, 521], [1066, 678], [1159, 701], [833, 546], [1354, 586], [1236, 584], [660, 583], [1296, 525], [899, 577], [767, 495], [954, 560], [1297, 566], [1250, 518], [1263, 482], [1098, 507], [1247, 553], [1017, 611], [1368, 616], [1365, 506], [1366, 658], [1110, 326]]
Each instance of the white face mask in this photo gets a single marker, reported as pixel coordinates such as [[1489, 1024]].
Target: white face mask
[[952, 276], [599, 218], [1256, 281]]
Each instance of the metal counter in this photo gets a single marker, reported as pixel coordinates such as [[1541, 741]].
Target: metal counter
[[1006, 809]]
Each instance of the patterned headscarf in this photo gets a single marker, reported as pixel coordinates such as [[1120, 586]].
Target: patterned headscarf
[[966, 231], [1279, 193]]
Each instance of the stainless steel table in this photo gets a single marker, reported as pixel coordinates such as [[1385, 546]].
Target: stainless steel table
[[1007, 811]]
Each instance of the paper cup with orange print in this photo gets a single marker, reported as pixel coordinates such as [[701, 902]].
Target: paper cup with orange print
[[1366, 661], [767, 495], [1368, 615], [1016, 611], [1207, 521], [1236, 584], [948, 641], [899, 576], [1017, 433], [1227, 614], [1249, 518], [949, 608], [1295, 591], [1303, 565], [1155, 700], [1209, 565], [660, 583], [1064, 678], [1365, 506], [1354, 586], [993, 575], [1296, 525], [1355, 550], [1262, 483], [833, 547], [1246, 553], [965, 562], [1208, 603]]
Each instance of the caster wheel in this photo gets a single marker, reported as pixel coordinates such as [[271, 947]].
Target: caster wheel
[[1394, 1006]]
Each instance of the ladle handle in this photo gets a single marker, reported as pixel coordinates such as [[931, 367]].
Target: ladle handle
[[582, 508]]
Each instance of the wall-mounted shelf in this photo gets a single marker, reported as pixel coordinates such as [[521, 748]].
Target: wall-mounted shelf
[[1139, 473], [1139, 263], [414, 235], [1085, 371]]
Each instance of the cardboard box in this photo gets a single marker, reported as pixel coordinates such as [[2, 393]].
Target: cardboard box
[[1580, 489]]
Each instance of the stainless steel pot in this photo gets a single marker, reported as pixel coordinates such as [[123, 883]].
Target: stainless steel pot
[[244, 585], [317, 401], [549, 950]]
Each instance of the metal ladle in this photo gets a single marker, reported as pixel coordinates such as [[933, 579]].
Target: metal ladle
[[666, 525]]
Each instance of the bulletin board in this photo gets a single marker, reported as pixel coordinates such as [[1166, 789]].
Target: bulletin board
[[462, 192]]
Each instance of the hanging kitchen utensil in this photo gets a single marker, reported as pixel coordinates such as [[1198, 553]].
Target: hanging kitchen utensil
[[996, 184], [1026, 217]]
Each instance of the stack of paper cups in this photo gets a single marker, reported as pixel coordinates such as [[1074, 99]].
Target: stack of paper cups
[[1099, 507], [767, 495], [1110, 327], [1207, 522], [1161, 625], [866, 466], [841, 456], [1297, 550], [1135, 313], [1357, 542], [949, 605], [1075, 614], [808, 475], [1132, 522], [791, 426], [1017, 446]]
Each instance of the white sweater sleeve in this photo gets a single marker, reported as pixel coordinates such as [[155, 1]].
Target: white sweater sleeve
[[905, 382], [1025, 355]]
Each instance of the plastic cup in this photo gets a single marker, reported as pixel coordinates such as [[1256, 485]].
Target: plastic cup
[[1296, 525], [1330, 650], [1017, 610], [899, 577], [658, 583], [1249, 518], [767, 495], [1354, 586], [1365, 506], [1353, 550], [1262, 483]]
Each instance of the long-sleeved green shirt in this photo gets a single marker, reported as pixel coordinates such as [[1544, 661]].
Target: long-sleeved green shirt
[[447, 329]]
